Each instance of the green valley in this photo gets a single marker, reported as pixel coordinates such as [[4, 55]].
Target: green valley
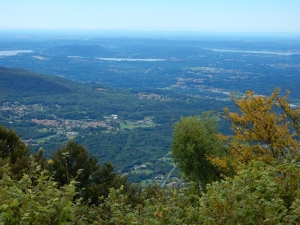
[[125, 127]]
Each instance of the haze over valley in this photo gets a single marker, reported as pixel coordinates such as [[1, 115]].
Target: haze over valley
[[120, 96]]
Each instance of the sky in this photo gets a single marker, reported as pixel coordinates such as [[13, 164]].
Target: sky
[[152, 15]]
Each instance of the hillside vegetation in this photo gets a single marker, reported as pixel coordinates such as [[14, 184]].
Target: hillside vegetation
[[125, 127], [258, 180], [24, 83]]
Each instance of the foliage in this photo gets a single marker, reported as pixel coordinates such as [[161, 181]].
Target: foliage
[[162, 207], [42, 203], [266, 128], [258, 194], [193, 140]]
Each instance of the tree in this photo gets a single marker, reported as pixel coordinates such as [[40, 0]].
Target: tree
[[74, 162], [13, 151], [102, 180], [265, 128], [11, 145], [194, 140]]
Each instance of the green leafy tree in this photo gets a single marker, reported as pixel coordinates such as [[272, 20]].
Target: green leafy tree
[[194, 140]]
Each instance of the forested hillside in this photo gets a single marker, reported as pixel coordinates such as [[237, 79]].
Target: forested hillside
[[23, 83], [125, 127]]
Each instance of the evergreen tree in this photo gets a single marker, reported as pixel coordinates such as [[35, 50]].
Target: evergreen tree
[[74, 162], [13, 151]]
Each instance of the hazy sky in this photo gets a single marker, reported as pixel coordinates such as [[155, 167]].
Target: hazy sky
[[153, 15]]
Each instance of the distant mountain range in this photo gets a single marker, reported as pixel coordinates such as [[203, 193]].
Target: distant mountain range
[[124, 50], [80, 50]]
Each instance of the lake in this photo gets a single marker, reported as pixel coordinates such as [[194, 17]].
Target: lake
[[131, 60], [255, 52], [13, 52]]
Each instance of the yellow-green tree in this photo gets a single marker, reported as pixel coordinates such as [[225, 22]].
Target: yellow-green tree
[[265, 128]]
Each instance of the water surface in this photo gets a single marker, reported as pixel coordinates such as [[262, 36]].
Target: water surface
[[254, 52], [13, 52], [131, 60]]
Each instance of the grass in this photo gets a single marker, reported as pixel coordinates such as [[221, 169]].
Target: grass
[[43, 130], [42, 140], [167, 158], [142, 171], [127, 124], [145, 183]]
